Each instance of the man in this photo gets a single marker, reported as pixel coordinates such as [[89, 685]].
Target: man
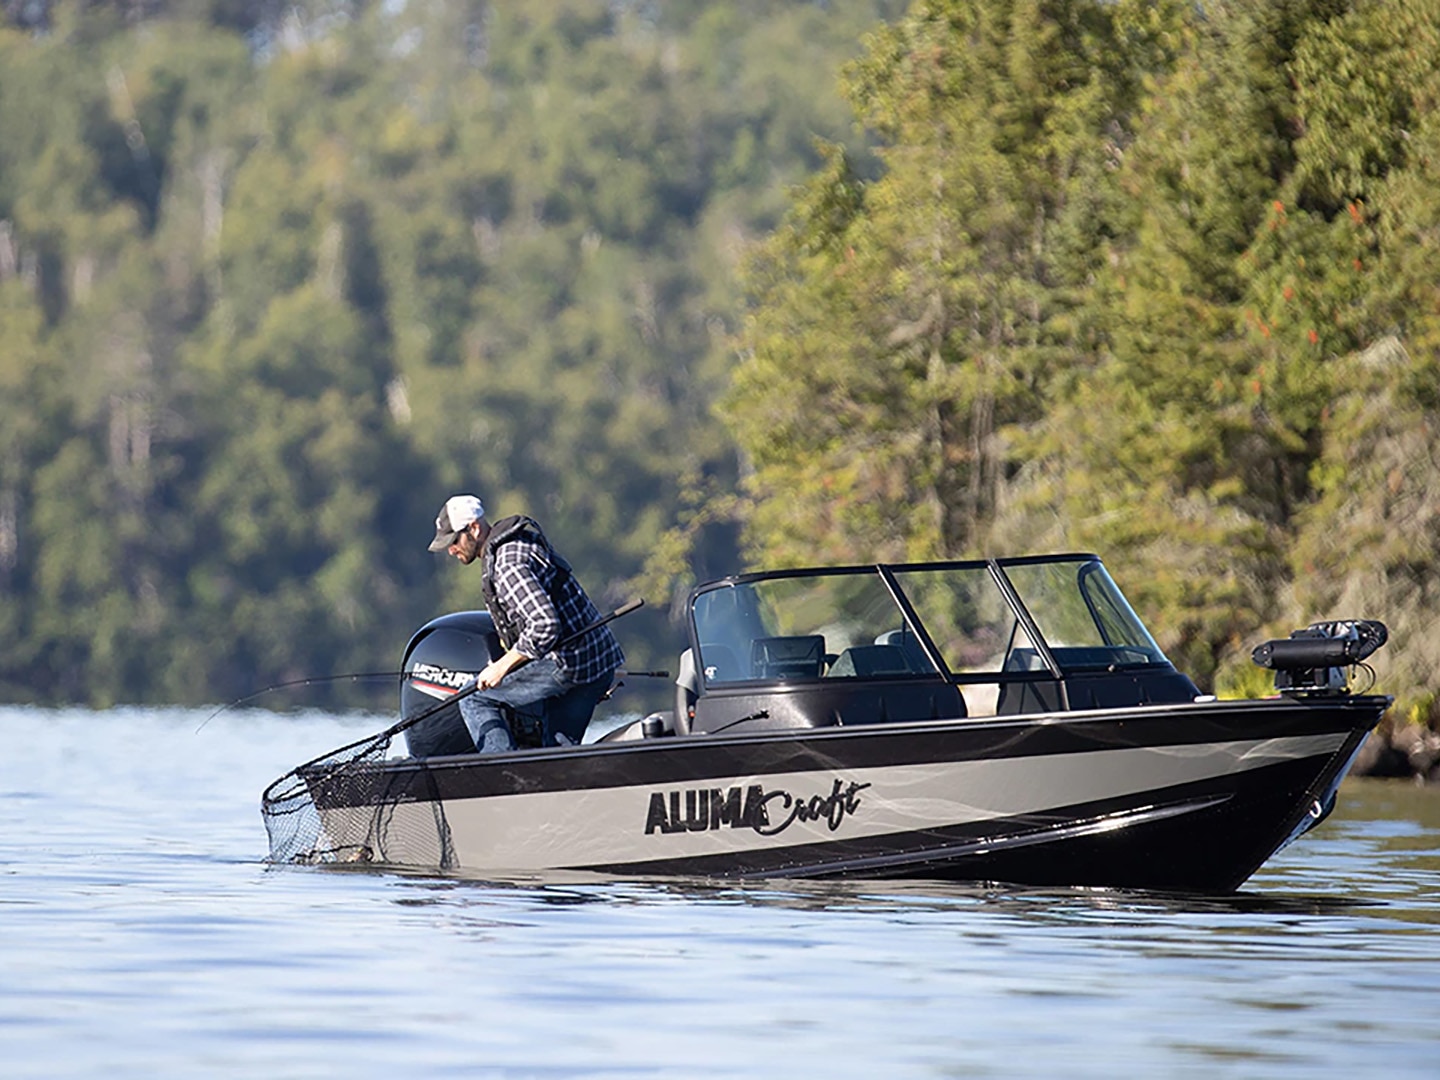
[[536, 604]]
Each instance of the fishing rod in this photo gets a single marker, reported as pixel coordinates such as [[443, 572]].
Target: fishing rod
[[358, 675], [409, 722], [269, 796], [307, 681]]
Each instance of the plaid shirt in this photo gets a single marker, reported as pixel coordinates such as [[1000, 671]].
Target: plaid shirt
[[548, 604]]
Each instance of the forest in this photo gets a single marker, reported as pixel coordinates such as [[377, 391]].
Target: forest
[[707, 287]]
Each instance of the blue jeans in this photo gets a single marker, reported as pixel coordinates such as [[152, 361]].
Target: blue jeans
[[567, 706]]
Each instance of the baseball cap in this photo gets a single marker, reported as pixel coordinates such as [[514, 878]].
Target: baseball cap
[[458, 512]]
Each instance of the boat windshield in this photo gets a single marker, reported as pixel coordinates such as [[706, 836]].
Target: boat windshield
[[1082, 614], [847, 623], [968, 617], [840, 625]]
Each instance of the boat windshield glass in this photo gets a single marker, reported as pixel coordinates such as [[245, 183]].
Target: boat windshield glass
[[1082, 615], [844, 625], [969, 620]]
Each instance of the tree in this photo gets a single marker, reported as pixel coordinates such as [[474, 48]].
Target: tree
[[1232, 289], [903, 326], [274, 281], [1108, 293]]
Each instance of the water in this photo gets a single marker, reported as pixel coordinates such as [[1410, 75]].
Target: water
[[142, 936]]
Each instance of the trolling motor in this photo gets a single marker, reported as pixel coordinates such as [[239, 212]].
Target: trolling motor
[[1319, 658]]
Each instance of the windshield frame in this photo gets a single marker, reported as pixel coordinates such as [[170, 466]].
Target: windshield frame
[[1054, 668]]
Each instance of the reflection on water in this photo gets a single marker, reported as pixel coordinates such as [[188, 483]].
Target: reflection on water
[[1384, 849], [141, 935]]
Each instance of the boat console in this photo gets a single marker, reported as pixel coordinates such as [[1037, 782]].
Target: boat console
[[892, 643]]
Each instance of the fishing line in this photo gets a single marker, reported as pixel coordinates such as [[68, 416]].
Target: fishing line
[[357, 675], [308, 681]]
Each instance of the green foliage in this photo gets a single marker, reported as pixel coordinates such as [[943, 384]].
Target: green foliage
[[902, 324], [1369, 543], [1154, 279], [1113, 290], [274, 281]]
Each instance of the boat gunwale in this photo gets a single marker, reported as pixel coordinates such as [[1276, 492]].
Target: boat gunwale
[[1372, 704]]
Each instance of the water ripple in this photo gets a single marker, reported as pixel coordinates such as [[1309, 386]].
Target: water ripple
[[143, 937]]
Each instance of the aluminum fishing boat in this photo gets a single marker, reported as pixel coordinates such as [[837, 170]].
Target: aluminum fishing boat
[[1007, 720]]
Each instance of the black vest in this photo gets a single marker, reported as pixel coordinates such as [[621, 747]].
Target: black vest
[[502, 531]]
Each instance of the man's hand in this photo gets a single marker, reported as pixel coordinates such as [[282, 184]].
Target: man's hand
[[498, 669]]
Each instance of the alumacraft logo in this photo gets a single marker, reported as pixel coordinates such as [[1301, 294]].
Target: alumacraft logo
[[767, 812]]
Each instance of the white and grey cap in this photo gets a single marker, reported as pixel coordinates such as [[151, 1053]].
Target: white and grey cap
[[458, 512]]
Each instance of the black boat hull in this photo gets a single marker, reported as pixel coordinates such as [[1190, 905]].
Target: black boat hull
[[1192, 796]]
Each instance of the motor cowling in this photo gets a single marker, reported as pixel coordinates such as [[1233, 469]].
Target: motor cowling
[[1317, 659], [442, 657]]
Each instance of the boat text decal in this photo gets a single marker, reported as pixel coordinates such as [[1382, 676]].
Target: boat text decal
[[766, 812], [440, 676]]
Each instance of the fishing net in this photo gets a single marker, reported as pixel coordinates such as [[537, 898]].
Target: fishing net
[[357, 805], [352, 806]]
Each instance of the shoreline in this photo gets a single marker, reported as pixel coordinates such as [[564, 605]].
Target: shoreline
[[1399, 750]]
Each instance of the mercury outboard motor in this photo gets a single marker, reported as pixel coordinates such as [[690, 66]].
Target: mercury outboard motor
[[1317, 659], [443, 656]]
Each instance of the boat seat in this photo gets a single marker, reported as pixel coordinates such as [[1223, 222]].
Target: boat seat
[[906, 640], [801, 656], [863, 661], [687, 690]]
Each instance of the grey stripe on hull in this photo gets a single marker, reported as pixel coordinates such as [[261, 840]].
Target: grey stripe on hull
[[608, 826]]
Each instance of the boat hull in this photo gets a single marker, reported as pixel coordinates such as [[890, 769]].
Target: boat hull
[[1191, 797]]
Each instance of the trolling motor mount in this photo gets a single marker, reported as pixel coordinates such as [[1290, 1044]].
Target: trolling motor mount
[[1318, 658]]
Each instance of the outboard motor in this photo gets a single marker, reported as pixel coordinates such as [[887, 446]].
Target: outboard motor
[[1317, 659], [443, 656]]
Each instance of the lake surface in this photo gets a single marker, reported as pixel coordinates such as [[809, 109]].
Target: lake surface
[[142, 935]]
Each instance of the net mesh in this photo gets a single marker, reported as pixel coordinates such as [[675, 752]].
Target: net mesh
[[350, 806]]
